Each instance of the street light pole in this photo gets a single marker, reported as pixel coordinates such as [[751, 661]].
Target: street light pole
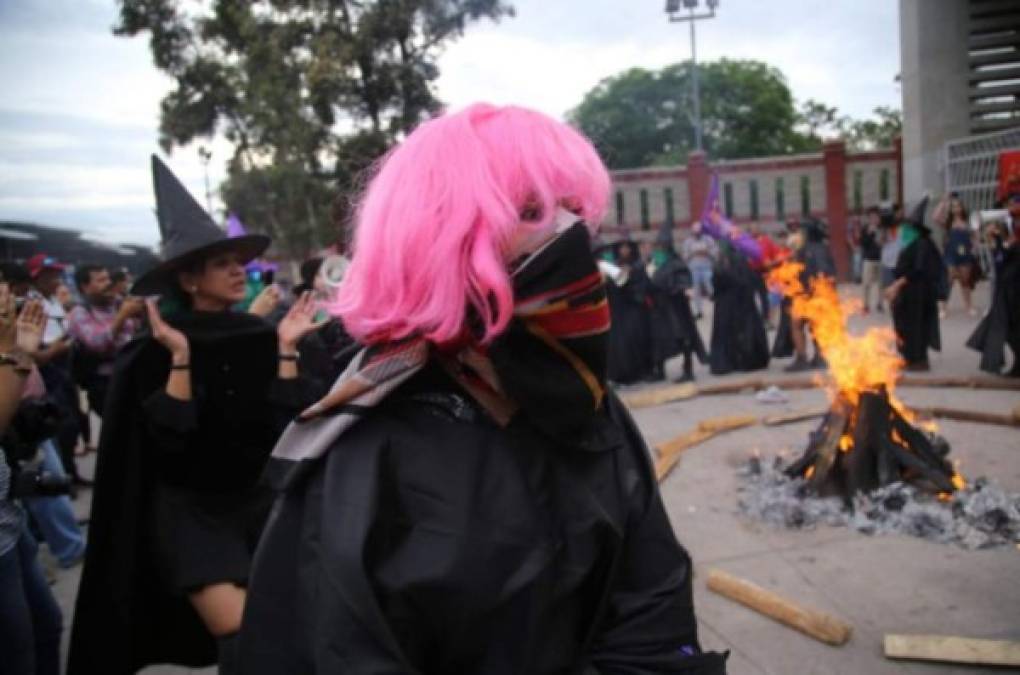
[[673, 9]]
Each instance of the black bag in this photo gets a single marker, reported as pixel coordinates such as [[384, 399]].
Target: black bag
[[36, 420]]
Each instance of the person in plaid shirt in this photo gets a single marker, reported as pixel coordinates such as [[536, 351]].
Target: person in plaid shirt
[[100, 326]]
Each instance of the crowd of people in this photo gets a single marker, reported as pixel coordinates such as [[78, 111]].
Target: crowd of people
[[408, 462]]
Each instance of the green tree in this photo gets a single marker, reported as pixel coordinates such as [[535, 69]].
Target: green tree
[[310, 93], [642, 117], [870, 134]]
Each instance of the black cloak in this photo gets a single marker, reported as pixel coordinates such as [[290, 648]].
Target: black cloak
[[915, 310], [126, 617], [671, 312], [429, 540], [739, 340], [1001, 324], [630, 354]]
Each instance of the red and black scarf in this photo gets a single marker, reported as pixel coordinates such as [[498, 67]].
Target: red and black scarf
[[549, 364]]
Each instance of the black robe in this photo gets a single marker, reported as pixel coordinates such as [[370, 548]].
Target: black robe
[[915, 310], [674, 329], [739, 340], [428, 540], [126, 616], [630, 349], [1001, 324]]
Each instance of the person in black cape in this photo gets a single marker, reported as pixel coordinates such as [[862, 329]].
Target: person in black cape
[[461, 505], [674, 330], [630, 354], [914, 294], [1000, 326], [790, 339], [190, 419], [739, 341]]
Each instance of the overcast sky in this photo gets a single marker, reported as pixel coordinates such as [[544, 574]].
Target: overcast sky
[[80, 109]]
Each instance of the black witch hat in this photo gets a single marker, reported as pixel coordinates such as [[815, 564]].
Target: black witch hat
[[188, 232], [916, 217]]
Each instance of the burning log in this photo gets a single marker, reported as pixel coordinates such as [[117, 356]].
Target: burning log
[[819, 625], [863, 447]]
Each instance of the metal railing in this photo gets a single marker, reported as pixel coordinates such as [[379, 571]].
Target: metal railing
[[970, 166]]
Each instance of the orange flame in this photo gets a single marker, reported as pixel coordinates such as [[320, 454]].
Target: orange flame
[[857, 363]]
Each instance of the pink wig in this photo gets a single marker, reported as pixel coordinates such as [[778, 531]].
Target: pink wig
[[441, 219]]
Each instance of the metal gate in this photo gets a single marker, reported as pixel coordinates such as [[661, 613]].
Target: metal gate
[[971, 166]]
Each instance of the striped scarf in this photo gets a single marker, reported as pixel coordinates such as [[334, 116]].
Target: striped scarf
[[550, 363]]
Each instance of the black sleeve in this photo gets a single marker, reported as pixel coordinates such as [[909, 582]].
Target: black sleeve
[[649, 625], [289, 397], [171, 423]]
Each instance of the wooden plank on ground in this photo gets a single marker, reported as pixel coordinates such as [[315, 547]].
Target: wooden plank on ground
[[819, 625], [953, 649], [669, 452], [794, 416], [1009, 419]]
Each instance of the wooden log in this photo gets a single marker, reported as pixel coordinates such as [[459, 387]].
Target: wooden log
[[669, 452], [969, 382], [953, 649], [795, 416], [819, 625], [727, 422], [660, 395], [1011, 419], [680, 392]]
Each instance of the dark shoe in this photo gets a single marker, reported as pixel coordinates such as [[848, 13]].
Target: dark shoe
[[918, 367], [799, 365], [818, 363]]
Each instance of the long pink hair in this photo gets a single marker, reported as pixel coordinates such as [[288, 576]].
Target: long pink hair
[[441, 218]]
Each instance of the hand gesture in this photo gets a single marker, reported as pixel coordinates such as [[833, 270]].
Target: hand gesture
[[31, 325], [299, 322], [168, 336], [132, 306], [266, 301]]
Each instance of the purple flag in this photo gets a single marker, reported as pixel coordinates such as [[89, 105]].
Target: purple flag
[[717, 226]]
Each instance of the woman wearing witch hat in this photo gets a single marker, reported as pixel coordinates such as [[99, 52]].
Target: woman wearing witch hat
[[470, 497], [1000, 326], [913, 296], [191, 417]]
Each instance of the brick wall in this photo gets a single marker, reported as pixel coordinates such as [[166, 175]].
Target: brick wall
[[836, 182]]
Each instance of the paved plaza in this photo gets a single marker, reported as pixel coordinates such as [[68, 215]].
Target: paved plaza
[[880, 584]]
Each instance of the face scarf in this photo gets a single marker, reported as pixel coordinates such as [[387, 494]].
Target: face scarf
[[549, 364], [908, 234]]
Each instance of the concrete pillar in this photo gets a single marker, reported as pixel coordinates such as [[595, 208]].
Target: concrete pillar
[[834, 157], [698, 181], [934, 72], [898, 151]]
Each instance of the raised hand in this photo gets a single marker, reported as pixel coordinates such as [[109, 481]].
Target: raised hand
[[299, 322], [168, 336], [266, 301], [31, 325]]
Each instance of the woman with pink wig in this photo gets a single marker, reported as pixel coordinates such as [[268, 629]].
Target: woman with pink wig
[[468, 496]]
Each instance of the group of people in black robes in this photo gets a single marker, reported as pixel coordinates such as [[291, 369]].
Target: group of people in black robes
[[652, 319]]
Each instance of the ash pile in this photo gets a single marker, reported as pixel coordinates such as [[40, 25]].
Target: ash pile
[[980, 515]]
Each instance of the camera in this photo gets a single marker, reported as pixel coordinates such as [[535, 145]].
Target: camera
[[34, 482]]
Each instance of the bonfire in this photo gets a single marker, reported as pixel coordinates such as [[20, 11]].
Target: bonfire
[[868, 438]]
